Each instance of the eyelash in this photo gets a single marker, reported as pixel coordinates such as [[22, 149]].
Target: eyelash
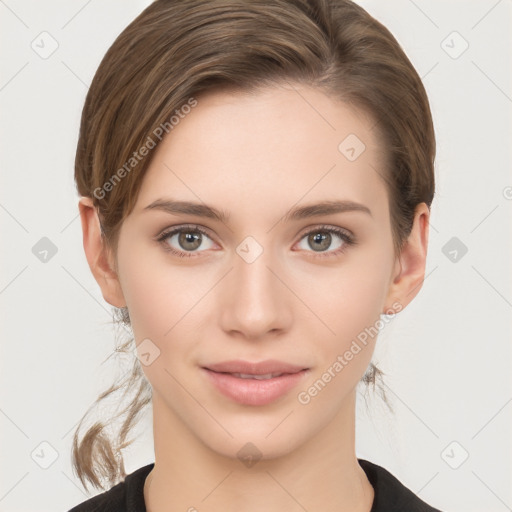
[[341, 233]]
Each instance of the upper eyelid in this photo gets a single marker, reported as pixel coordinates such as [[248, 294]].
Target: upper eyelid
[[183, 227], [326, 227]]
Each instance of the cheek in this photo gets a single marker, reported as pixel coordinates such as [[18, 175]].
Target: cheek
[[168, 305], [158, 312], [350, 298], [157, 293], [350, 303], [351, 309]]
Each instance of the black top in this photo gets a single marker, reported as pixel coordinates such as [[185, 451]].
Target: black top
[[128, 496]]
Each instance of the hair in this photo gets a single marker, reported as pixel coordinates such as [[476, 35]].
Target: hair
[[176, 49]]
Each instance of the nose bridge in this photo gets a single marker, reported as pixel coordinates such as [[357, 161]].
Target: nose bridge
[[254, 302]]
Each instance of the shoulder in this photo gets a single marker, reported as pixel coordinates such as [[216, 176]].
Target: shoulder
[[126, 496], [390, 493]]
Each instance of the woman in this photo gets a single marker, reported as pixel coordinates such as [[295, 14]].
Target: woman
[[256, 180]]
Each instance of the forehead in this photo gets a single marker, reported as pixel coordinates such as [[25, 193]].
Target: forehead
[[268, 149]]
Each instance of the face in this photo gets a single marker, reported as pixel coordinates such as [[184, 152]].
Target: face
[[267, 276]]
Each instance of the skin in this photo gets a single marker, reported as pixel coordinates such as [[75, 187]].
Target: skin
[[294, 303]]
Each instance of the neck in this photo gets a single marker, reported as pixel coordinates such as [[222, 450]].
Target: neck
[[321, 474]]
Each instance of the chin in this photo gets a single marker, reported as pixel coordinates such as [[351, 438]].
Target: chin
[[258, 436], [252, 447]]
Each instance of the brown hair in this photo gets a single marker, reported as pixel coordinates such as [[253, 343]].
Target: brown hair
[[176, 49]]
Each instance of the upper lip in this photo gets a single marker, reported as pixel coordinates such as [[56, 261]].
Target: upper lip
[[259, 368]]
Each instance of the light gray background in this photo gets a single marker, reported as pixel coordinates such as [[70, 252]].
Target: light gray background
[[447, 357]]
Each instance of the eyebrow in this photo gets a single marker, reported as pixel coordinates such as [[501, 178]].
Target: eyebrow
[[299, 213]]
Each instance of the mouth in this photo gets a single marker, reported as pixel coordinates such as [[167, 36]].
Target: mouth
[[265, 376], [254, 383]]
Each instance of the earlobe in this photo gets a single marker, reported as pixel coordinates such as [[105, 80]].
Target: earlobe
[[98, 256], [409, 270]]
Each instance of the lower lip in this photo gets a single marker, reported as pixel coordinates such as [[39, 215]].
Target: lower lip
[[253, 391]]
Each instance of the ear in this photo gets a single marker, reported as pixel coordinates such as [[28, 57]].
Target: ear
[[99, 256], [409, 271]]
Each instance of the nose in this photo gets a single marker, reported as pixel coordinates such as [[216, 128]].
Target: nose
[[254, 300]]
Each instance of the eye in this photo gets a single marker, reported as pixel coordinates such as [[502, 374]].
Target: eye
[[186, 239], [322, 237]]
